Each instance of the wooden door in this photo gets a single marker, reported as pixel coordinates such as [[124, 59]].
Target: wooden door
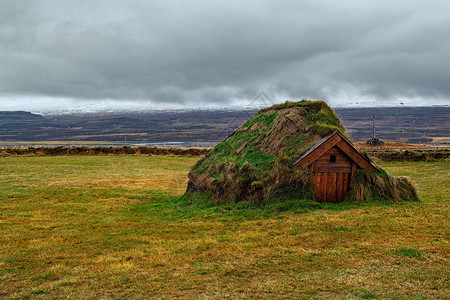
[[333, 174], [331, 187]]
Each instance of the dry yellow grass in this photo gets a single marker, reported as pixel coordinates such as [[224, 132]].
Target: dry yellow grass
[[111, 227]]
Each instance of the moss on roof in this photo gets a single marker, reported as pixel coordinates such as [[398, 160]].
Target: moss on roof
[[287, 129], [254, 163]]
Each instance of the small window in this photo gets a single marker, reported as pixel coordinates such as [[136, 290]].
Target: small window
[[332, 158]]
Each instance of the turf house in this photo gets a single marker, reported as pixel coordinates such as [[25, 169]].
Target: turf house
[[292, 151]]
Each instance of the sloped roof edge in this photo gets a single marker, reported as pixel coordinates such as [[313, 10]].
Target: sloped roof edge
[[319, 143]]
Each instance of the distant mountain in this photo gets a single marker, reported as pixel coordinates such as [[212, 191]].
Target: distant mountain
[[402, 124], [15, 116], [22, 125]]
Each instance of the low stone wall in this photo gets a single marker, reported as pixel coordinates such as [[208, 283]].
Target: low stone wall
[[102, 150], [411, 155], [387, 155]]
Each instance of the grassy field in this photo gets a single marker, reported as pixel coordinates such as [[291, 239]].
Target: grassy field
[[111, 227]]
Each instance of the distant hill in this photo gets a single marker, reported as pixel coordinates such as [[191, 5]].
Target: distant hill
[[400, 124], [17, 125], [16, 116]]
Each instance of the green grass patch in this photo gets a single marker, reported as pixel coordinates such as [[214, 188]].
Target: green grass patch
[[116, 227], [267, 119], [408, 252]]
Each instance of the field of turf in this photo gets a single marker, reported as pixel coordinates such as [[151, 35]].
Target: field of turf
[[111, 227]]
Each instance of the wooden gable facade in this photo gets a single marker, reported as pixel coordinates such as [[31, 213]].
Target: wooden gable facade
[[334, 162]]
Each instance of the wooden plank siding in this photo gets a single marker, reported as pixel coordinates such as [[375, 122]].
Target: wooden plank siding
[[331, 187], [331, 175], [334, 162], [327, 145], [334, 139], [356, 156], [352, 174]]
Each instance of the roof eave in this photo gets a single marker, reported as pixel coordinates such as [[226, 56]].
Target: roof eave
[[323, 140]]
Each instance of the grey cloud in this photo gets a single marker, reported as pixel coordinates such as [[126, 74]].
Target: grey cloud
[[206, 52]]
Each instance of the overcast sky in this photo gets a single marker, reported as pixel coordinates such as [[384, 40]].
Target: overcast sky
[[196, 53]]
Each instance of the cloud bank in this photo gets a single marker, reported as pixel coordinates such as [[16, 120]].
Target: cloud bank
[[194, 53]]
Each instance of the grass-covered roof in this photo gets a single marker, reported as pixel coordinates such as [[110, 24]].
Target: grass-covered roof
[[254, 163], [287, 129]]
